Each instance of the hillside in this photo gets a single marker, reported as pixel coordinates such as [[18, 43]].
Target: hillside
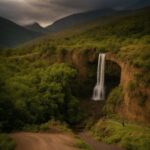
[[77, 19], [13, 34], [89, 16], [110, 34], [140, 4]]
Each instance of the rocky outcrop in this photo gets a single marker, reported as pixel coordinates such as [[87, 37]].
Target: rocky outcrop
[[130, 108], [85, 61]]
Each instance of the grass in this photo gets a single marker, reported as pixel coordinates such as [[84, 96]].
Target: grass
[[48, 126], [6, 143], [82, 145], [60, 126], [131, 136]]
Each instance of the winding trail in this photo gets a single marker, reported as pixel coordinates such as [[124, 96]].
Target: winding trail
[[56, 141], [43, 141]]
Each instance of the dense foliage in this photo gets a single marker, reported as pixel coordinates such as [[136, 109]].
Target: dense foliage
[[38, 96], [113, 100], [130, 136], [6, 143]]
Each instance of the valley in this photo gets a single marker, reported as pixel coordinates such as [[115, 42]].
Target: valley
[[46, 84]]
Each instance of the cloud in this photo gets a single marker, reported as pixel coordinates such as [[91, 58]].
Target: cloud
[[48, 11], [28, 11]]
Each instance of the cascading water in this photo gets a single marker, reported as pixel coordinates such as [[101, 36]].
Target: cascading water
[[99, 89]]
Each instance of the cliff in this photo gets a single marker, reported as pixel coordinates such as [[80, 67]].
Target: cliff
[[135, 104]]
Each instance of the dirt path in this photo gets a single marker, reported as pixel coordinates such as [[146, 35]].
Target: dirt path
[[96, 145], [55, 141], [43, 141]]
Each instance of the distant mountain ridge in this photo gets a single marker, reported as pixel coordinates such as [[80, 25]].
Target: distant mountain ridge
[[35, 27], [79, 18], [141, 4], [12, 34], [84, 17]]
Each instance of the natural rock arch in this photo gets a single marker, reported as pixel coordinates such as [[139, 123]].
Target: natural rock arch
[[129, 107], [85, 61]]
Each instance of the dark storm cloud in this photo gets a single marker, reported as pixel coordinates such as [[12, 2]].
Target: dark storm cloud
[[47, 11]]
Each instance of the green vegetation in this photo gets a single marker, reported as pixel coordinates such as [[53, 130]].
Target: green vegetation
[[51, 125], [6, 143], [130, 136], [114, 99], [39, 96], [127, 36], [82, 145], [137, 55], [135, 92]]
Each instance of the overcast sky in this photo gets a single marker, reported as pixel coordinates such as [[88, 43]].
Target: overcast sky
[[48, 11]]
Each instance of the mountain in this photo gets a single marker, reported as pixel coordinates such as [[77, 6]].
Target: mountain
[[77, 19], [141, 4], [12, 34], [89, 16], [35, 27]]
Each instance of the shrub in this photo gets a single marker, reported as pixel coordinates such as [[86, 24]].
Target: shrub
[[130, 137], [6, 143], [82, 145], [114, 99]]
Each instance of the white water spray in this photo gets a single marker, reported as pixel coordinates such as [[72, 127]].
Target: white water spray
[[99, 89]]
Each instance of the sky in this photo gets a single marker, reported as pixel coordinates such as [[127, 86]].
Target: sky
[[46, 12]]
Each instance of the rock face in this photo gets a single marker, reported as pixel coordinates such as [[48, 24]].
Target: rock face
[[86, 64], [130, 108]]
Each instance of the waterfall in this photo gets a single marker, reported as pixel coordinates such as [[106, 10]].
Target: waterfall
[[99, 89]]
